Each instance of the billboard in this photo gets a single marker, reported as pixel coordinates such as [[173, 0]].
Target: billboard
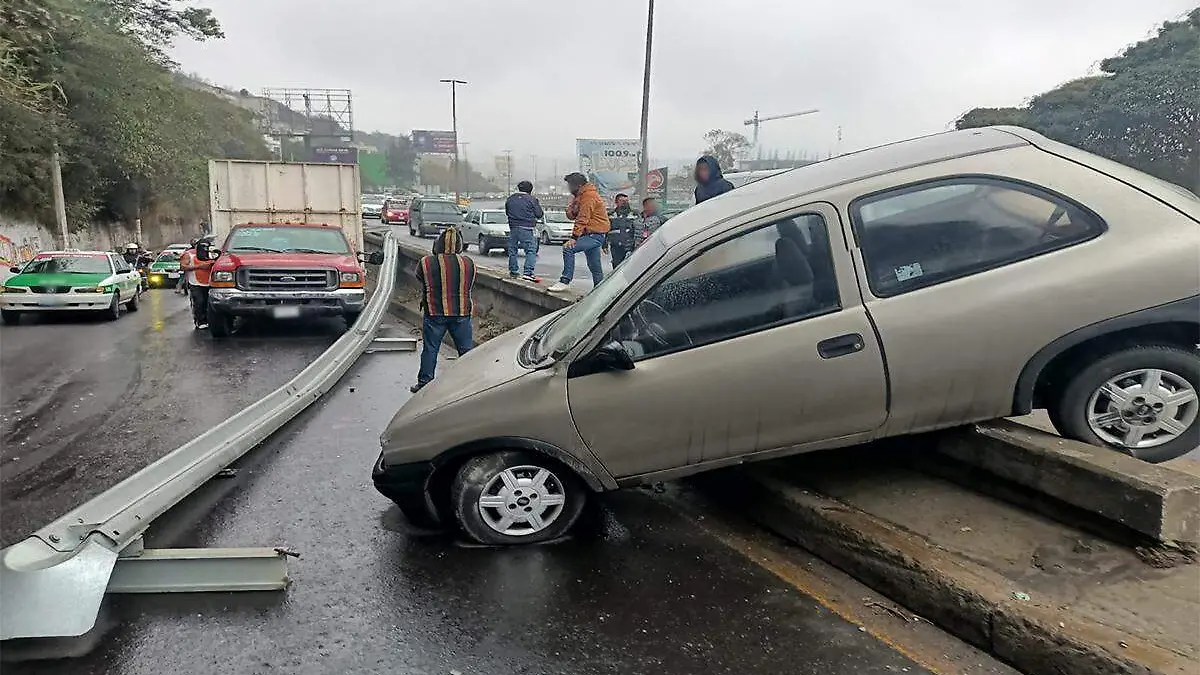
[[611, 164], [333, 155], [430, 142], [656, 182], [504, 165]]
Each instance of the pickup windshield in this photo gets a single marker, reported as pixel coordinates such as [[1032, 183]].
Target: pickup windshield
[[287, 240]]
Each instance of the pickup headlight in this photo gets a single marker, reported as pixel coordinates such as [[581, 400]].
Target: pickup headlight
[[350, 277], [222, 276]]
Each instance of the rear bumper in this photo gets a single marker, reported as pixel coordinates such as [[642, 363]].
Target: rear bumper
[[267, 303], [55, 302], [405, 484]]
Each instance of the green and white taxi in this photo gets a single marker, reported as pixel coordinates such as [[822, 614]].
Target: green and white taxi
[[56, 281], [164, 271]]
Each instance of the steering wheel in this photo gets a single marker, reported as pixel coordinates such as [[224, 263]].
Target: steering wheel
[[655, 320]]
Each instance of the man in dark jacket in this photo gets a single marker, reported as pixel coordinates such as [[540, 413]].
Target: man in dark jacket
[[622, 238], [523, 211], [446, 279], [709, 181]]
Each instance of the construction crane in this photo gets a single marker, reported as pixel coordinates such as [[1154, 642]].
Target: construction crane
[[756, 120]]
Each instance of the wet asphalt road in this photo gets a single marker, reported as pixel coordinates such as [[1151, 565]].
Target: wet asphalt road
[[85, 402], [642, 590]]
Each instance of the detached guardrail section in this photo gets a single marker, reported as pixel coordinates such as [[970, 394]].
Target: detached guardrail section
[[53, 582]]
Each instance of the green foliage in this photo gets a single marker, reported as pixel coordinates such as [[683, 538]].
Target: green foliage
[[726, 146], [90, 78], [1144, 110]]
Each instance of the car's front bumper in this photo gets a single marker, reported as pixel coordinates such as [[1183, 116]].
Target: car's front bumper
[[558, 237], [55, 302], [407, 486], [271, 303], [161, 278]]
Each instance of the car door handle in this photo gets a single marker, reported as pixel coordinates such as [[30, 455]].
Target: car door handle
[[840, 346]]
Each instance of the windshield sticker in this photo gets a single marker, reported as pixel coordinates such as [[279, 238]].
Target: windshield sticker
[[906, 272]]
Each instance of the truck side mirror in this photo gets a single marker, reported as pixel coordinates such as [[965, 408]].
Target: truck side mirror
[[372, 258]]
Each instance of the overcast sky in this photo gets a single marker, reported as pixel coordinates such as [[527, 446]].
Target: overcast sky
[[541, 76]]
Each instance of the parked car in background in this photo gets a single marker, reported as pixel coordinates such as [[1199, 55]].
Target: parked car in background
[[486, 228], [394, 211], [428, 217], [554, 228], [930, 283], [71, 281]]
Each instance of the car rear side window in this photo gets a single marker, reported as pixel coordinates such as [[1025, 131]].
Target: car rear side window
[[769, 276], [926, 234]]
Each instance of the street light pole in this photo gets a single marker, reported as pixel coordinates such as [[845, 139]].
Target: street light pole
[[644, 159], [454, 121], [467, 174]]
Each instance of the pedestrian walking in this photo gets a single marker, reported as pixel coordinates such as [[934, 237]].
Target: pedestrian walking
[[648, 222], [709, 181], [622, 238], [589, 234], [447, 277], [523, 211]]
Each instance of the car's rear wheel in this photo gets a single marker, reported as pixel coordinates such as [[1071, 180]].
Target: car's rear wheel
[[114, 308], [10, 317], [1142, 400], [516, 498], [220, 324]]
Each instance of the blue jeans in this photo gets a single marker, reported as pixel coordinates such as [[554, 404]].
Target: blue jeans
[[433, 331], [522, 238], [589, 245]]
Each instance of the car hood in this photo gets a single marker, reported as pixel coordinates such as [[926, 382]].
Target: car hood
[[57, 279], [166, 265], [338, 260]]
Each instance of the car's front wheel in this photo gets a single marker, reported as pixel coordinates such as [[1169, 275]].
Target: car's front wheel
[[10, 317], [483, 246], [132, 305], [220, 324], [516, 498], [1142, 400], [114, 309]]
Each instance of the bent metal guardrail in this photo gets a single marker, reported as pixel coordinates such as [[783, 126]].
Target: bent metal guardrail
[[52, 583]]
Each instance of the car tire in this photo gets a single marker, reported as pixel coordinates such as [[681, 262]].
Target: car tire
[[220, 324], [132, 305], [483, 246], [500, 499], [10, 317], [411, 231], [1178, 369], [114, 309]]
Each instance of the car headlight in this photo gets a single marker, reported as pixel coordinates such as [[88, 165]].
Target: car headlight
[[222, 276], [350, 277], [13, 289]]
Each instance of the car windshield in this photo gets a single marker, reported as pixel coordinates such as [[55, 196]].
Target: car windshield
[[440, 209], [69, 264], [494, 217], [557, 217], [577, 321], [287, 240], [169, 256]]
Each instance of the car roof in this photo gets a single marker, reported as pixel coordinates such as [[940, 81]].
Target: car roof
[[848, 168]]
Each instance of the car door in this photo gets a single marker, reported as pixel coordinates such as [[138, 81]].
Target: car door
[[754, 343], [470, 226], [121, 277]]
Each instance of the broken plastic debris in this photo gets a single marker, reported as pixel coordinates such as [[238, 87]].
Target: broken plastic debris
[[1018, 595]]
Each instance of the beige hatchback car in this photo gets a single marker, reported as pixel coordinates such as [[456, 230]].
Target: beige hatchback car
[[938, 281]]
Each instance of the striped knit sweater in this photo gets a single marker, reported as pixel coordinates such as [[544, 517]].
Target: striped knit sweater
[[446, 278]]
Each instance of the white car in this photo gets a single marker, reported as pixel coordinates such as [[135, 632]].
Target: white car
[[372, 209], [56, 281], [486, 228], [554, 228]]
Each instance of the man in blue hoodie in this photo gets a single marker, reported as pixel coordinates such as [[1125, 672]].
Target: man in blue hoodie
[[709, 181], [523, 212]]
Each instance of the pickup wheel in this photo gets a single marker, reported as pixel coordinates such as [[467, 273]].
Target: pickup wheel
[[220, 324], [351, 318]]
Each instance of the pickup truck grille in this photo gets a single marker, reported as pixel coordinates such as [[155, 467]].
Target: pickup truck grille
[[275, 279]]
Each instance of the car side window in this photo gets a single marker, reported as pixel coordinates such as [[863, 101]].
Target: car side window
[[769, 276], [119, 264], [924, 235]]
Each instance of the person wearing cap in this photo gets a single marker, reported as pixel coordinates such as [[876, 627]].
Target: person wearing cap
[[589, 234], [523, 211], [447, 277]]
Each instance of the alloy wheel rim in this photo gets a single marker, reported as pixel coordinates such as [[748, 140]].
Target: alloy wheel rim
[[1143, 408], [522, 500]]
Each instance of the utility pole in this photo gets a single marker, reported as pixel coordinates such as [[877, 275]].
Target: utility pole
[[454, 122], [644, 158], [60, 202], [535, 172]]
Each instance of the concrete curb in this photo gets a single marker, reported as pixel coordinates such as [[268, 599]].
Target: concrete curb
[[1156, 501], [971, 602]]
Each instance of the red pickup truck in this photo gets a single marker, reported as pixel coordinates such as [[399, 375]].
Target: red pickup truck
[[286, 271]]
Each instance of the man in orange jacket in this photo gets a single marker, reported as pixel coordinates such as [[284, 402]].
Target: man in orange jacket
[[590, 232]]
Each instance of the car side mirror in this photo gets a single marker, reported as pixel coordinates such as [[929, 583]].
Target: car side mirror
[[613, 356], [15, 270]]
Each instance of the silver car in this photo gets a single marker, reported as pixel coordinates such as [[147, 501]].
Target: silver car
[[486, 228], [554, 228]]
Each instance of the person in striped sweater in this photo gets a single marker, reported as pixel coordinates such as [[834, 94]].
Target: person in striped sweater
[[446, 279]]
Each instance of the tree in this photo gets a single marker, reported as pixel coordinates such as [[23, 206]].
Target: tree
[[1143, 110], [726, 146]]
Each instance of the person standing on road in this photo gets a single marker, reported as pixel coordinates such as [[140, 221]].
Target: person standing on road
[[198, 270], [622, 238], [709, 181], [649, 222], [523, 211], [186, 260], [590, 232], [447, 277]]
